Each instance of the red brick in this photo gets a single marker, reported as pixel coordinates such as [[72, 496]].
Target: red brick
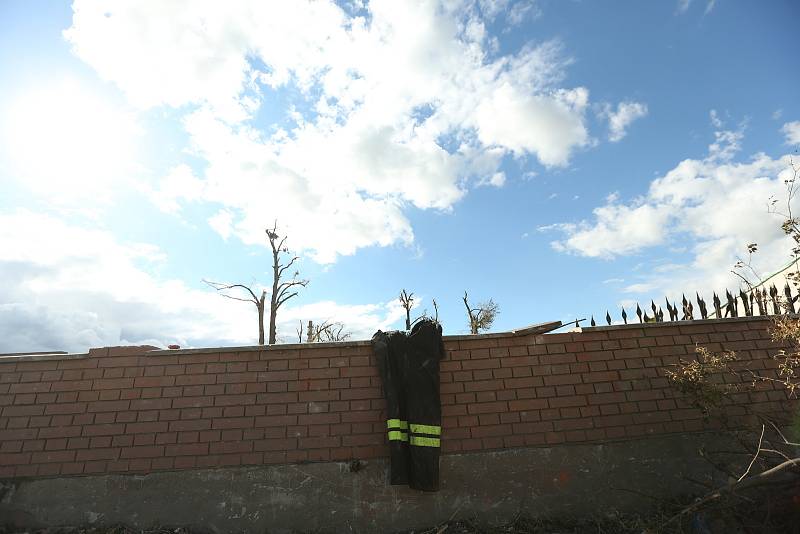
[[523, 382], [361, 393], [528, 404], [480, 364], [572, 424], [189, 425], [229, 378], [319, 442], [519, 361], [566, 402], [147, 427], [232, 422], [53, 456], [491, 431], [23, 411], [487, 407], [319, 419], [195, 380], [108, 406], [600, 376], [113, 383], [192, 402], [103, 430], [562, 379], [143, 452], [279, 444], [97, 454]]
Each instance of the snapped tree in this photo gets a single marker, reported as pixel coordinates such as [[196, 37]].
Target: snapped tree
[[324, 332], [407, 302], [282, 289], [482, 316], [258, 301]]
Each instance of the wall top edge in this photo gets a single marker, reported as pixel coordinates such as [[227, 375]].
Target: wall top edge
[[533, 329], [536, 329], [39, 357]]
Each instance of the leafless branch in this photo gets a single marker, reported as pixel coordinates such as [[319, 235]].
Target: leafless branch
[[259, 302], [407, 302], [755, 480], [222, 287], [755, 456]]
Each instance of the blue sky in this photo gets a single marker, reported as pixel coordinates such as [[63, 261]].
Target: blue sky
[[561, 158]]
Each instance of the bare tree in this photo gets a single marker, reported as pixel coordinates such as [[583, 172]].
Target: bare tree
[[407, 302], [258, 301], [327, 331], [425, 316], [482, 316], [282, 290], [435, 311]]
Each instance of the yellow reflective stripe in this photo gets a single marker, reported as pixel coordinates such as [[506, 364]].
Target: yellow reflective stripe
[[397, 423], [397, 435], [426, 429], [424, 442]]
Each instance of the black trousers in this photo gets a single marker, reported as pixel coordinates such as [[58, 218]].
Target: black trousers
[[409, 368]]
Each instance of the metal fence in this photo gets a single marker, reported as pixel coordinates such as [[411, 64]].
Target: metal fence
[[758, 301]]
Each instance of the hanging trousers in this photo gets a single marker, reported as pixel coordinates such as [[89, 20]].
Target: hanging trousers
[[409, 368]]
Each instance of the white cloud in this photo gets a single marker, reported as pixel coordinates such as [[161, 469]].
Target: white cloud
[[714, 206], [179, 183], [727, 144], [792, 132], [683, 6], [68, 144], [222, 222], [617, 229], [498, 179], [89, 290], [409, 106], [622, 117], [521, 11]]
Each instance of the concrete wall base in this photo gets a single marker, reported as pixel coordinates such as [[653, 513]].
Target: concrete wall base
[[571, 480]]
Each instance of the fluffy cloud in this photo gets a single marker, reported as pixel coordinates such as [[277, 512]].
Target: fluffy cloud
[[71, 288], [395, 104], [792, 132], [714, 207], [68, 144], [622, 117]]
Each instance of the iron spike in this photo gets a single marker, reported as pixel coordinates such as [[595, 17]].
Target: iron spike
[[717, 306], [702, 304], [776, 306]]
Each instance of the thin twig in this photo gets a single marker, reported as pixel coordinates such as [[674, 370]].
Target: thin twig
[[755, 456], [738, 485]]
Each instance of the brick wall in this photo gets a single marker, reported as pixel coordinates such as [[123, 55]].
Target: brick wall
[[124, 409]]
